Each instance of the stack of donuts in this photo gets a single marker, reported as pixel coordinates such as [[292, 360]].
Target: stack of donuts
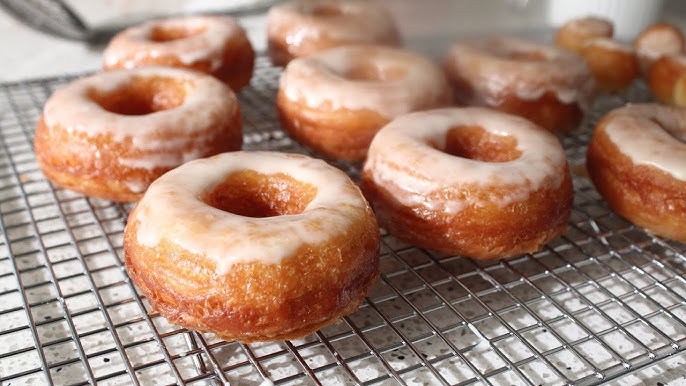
[[461, 157]]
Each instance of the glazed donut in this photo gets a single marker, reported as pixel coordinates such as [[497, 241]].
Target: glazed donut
[[547, 85], [336, 100], [111, 134], [575, 33], [614, 65], [636, 161], [469, 181], [656, 41], [215, 45], [253, 246], [667, 79], [302, 27]]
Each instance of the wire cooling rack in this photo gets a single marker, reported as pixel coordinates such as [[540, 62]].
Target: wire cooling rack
[[605, 300]]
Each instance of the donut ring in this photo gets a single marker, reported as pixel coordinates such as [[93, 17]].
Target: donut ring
[[667, 79], [215, 45], [302, 27], [469, 181], [657, 41], [614, 65], [336, 100], [636, 161], [111, 134], [546, 85], [575, 33], [222, 245]]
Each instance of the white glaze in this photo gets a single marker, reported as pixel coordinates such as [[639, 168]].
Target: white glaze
[[679, 59], [657, 42], [590, 26], [162, 159], [358, 22], [136, 185], [134, 44], [172, 209], [487, 66], [652, 135], [319, 81], [610, 44], [413, 142], [164, 138]]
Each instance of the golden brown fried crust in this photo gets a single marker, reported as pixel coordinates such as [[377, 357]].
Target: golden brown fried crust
[[280, 52], [573, 35], [337, 133], [663, 77], [237, 63], [340, 133], [258, 302], [485, 232], [90, 164], [644, 195], [547, 111], [613, 70]]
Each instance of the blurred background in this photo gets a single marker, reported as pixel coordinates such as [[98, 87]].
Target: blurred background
[[428, 26]]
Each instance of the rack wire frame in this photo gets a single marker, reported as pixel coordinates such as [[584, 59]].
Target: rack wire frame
[[603, 301]]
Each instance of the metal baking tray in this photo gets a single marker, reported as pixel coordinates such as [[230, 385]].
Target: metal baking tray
[[605, 301]]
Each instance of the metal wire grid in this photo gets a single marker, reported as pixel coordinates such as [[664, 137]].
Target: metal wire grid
[[603, 301]]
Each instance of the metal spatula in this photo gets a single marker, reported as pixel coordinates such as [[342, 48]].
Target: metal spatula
[[57, 18], [53, 17]]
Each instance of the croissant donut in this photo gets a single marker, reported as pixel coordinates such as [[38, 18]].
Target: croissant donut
[[302, 27], [637, 160], [469, 181], [253, 246], [544, 84], [215, 45], [111, 134], [336, 100]]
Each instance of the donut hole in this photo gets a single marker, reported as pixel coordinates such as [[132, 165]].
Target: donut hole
[[371, 72], [475, 143], [165, 33], [252, 194], [526, 56], [326, 10], [673, 132], [143, 95]]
